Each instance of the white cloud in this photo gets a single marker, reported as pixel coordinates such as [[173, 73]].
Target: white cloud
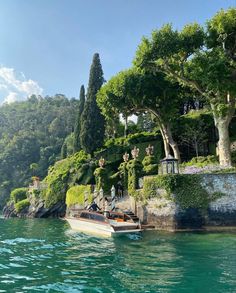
[[15, 87], [31, 87], [12, 97]]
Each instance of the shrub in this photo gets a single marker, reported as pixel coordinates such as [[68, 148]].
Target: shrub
[[64, 174], [201, 161], [101, 178], [75, 195], [134, 173], [150, 165], [21, 205], [19, 194]]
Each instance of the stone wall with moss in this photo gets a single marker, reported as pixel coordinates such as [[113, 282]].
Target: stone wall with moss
[[188, 201]]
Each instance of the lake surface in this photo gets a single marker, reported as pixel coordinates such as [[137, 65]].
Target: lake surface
[[44, 255]]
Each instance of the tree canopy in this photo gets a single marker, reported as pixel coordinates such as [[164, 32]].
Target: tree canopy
[[203, 60], [133, 91], [32, 133]]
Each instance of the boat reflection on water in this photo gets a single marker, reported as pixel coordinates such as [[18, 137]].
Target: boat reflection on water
[[114, 223]]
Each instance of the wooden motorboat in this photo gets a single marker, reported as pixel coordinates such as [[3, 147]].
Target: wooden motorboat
[[112, 224]]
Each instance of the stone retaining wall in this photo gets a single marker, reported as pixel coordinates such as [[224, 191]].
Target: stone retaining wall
[[166, 214]]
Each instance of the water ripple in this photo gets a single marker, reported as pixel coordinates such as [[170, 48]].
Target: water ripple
[[46, 256]]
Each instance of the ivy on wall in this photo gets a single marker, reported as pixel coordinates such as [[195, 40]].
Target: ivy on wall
[[101, 178], [134, 173], [150, 166], [123, 172], [184, 189]]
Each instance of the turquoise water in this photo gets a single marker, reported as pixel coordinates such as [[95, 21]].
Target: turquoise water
[[46, 256]]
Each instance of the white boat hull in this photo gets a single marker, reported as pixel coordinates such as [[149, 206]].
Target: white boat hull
[[104, 229], [87, 227]]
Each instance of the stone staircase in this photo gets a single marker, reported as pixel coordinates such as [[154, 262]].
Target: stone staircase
[[131, 215], [123, 205]]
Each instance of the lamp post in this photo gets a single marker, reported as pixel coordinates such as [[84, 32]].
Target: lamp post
[[169, 165]]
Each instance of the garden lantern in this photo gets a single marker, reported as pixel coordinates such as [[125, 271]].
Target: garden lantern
[[169, 165]]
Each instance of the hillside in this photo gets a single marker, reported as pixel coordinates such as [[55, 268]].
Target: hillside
[[31, 135]]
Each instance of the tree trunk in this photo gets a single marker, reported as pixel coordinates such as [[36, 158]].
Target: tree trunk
[[224, 142], [172, 143], [167, 136], [222, 125], [196, 146], [126, 126], [166, 145]]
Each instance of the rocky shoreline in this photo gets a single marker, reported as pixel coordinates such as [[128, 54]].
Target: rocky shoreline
[[36, 210]]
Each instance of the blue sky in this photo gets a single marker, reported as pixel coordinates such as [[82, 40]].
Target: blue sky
[[47, 45]]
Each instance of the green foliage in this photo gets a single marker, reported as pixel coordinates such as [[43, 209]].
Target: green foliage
[[186, 190], [116, 147], [32, 133], [123, 173], [146, 122], [69, 141], [64, 151], [34, 167], [21, 205], [202, 61], [92, 121], [201, 161], [221, 30], [150, 166], [195, 133], [65, 174], [75, 195], [134, 173], [19, 194], [77, 146], [101, 178], [133, 91]]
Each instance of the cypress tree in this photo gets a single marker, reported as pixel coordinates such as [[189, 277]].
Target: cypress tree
[[64, 150], [77, 146], [92, 121]]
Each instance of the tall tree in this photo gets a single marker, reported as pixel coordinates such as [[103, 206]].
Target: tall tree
[[132, 91], [64, 151], [77, 146], [202, 61], [92, 121]]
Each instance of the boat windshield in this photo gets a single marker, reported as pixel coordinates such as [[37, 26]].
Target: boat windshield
[[93, 216]]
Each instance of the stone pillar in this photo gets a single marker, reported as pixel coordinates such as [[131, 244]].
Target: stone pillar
[[86, 199], [101, 198], [113, 198]]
